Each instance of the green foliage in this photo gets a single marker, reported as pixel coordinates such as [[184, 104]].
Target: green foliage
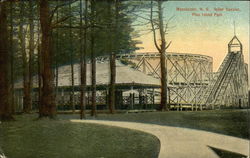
[[14, 21], [113, 31], [127, 62], [111, 27]]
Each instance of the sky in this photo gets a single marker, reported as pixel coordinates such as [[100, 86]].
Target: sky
[[206, 35]]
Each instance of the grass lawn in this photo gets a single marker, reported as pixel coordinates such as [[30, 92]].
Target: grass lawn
[[29, 138], [228, 122]]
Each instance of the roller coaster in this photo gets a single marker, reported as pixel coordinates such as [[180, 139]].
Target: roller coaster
[[230, 85], [191, 81]]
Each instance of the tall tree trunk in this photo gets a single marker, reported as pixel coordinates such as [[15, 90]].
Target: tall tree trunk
[[162, 59], [163, 105], [56, 57], [112, 83], [72, 95], [72, 98], [48, 108], [56, 84], [93, 60], [83, 51], [12, 59], [22, 34], [5, 106], [93, 77], [31, 54], [112, 64], [39, 67], [162, 50], [39, 71]]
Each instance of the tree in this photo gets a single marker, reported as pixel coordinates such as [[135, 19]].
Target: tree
[[12, 54], [39, 70], [83, 61], [162, 47], [22, 39], [93, 33], [71, 51], [31, 53], [112, 54], [73, 37], [56, 55], [120, 40], [93, 57], [48, 108], [5, 106]]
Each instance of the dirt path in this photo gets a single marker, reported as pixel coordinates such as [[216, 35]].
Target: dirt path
[[182, 142]]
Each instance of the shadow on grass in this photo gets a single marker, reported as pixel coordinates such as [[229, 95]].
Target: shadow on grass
[[27, 138], [227, 122], [226, 154]]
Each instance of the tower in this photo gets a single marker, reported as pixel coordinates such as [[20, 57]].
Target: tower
[[229, 88], [234, 45]]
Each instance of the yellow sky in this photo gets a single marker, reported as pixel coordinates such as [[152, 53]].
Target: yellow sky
[[204, 35], [213, 48]]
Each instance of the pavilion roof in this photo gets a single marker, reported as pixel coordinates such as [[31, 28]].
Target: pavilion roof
[[125, 76]]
